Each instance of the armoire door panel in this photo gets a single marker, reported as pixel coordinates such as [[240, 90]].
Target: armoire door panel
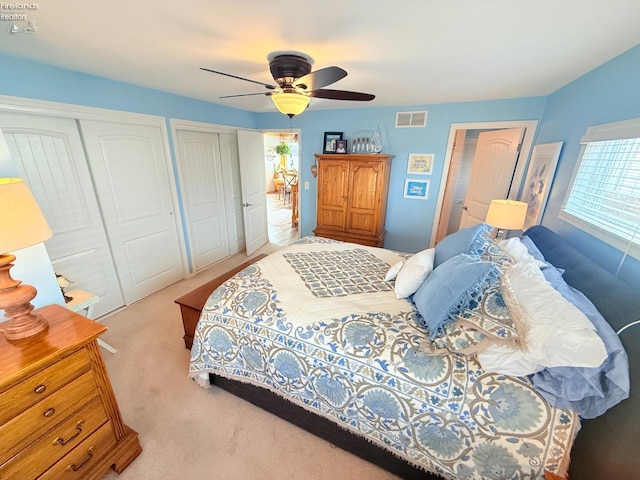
[[48, 153], [130, 172], [362, 222], [363, 186], [333, 186]]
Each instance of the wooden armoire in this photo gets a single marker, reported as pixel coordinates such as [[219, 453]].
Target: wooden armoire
[[352, 197]]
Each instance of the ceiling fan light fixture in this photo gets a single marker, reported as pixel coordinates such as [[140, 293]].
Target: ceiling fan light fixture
[[290, 103]]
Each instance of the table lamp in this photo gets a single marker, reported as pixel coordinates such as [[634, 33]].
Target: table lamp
[[506, 215], [22, 225]]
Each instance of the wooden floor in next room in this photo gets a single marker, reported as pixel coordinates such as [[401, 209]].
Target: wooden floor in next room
[[281, 232]]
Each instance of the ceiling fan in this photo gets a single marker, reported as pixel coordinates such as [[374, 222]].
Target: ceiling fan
[[296, 84]]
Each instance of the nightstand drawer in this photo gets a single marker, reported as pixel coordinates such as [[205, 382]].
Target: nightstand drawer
[[55, 444], [36, 387], [29, 425], [83, 457]]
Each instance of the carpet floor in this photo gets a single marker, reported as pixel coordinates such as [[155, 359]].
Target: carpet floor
[[190, 433]]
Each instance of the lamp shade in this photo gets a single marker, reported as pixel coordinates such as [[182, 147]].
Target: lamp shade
[[22, 223], [290, 103], [506, 214]]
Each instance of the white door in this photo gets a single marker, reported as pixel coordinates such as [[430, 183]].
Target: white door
[[130, 171], [233, 191], [203, 194], [254, 195], [49, 155], [494, 162]]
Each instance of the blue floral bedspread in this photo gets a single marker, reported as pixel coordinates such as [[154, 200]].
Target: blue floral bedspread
[[316, 323]]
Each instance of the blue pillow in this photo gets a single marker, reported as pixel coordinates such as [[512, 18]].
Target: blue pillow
[[469, 240], [450, 289]]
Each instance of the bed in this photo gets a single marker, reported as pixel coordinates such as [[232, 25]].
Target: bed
[[316, 334]]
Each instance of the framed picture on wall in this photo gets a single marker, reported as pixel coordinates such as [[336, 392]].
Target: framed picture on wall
[[542, 167], [416, 189], [330, 139], [420, 164]]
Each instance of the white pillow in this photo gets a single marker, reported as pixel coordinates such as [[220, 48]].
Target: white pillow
[[559, 334], [518, 251], [413, 272], [392, 273]]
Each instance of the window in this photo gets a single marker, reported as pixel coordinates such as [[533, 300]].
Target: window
[[604, 196]]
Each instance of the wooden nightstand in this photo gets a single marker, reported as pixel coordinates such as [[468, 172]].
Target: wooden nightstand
[[59, 418]]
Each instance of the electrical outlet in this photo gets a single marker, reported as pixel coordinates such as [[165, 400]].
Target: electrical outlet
[[306, 185]]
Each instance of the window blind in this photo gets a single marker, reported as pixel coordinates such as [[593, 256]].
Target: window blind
[[605, 192]]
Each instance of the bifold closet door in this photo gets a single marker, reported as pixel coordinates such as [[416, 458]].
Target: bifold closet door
[[233, 190], [203, 194], [49, 155], [131, 177]]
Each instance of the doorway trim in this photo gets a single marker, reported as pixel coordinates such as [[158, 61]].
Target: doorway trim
[[530, 127], [297, 131]]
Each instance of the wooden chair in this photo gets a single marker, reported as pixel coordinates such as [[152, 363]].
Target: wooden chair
[[294, 205], [278, 183], [290, 178]]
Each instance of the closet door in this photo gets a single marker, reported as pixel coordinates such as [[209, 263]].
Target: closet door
[[48, 153], [130, 172], [203, 193], [232, 191]]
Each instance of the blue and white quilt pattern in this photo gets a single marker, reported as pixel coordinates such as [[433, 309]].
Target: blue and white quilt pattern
[[332, 337]]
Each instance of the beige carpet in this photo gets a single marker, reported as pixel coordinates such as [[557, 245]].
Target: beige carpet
[[194, 434]]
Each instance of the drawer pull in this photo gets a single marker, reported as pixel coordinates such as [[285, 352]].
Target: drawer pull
[[73, 467], [49, 412], [40, 388], [63, 442]]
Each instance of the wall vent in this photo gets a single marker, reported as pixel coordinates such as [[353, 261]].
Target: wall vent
[[411, 119]]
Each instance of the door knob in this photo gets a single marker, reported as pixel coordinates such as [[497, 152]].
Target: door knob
[[247, 204]]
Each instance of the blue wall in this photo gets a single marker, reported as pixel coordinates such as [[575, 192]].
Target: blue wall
[[408, 222], [609, 93]]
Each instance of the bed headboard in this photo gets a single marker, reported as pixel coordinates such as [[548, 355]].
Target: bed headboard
[[607, 446]]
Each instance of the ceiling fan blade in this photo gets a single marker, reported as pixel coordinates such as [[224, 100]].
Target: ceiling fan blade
[[341, 95], [320, 78], [268, 94], [267, 85]]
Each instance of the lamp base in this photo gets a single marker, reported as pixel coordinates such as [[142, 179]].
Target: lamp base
[[501, 234], [15, 299], [25, 326]]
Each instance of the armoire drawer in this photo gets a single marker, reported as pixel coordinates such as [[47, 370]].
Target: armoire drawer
[[82, 458], [43, 383], [32, 423], [56, 443]]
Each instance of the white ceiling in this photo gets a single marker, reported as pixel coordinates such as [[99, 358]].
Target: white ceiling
[[406, 52]]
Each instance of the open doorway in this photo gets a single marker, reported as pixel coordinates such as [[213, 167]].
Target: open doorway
[[282, 165], [454, 207]]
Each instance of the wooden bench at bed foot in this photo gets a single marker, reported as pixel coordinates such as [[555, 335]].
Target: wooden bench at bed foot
[[192, 303]]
